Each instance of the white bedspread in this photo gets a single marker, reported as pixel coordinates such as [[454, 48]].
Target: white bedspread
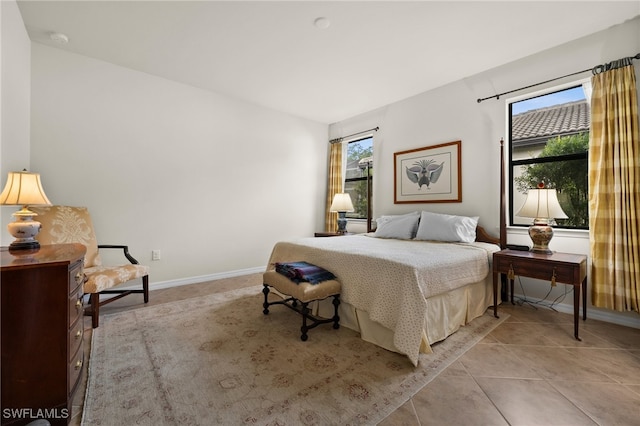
[[390, 279]]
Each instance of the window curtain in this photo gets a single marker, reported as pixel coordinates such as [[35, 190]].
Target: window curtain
[[334, 186], [614, 189]]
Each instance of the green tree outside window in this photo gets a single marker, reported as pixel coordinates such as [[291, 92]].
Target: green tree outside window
[[568, 175]]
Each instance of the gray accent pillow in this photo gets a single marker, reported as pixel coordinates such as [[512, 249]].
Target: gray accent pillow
[[402, 227], [446, 227]]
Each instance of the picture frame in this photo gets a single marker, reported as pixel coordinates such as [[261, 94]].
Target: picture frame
[[428, 175]]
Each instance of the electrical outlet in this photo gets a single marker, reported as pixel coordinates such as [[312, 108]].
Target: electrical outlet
[[155, 254]]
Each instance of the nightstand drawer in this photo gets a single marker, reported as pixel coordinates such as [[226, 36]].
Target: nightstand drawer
[[541, 270], [567, 274]]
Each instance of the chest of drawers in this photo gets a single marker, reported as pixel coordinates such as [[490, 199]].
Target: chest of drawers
[[42, 332]]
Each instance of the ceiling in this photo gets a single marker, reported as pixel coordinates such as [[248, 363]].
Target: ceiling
[[271, 53]]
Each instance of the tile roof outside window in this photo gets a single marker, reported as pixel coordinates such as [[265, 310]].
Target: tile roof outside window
[[537, 126]]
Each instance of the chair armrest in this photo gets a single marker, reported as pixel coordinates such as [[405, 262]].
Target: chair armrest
[[125, 250]]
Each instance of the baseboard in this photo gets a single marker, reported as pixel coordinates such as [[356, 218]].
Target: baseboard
[[596, 314], [198, 279]]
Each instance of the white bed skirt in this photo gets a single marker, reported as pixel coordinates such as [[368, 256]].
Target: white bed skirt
[[446, 313]]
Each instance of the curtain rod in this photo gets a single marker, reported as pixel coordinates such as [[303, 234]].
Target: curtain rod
[[336, 140], [595, 70]]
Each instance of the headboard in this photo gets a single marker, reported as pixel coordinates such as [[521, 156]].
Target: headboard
[[484, 237]]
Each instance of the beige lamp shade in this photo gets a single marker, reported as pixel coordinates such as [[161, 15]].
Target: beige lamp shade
[[23, 189], [341, 203], [543, 204]]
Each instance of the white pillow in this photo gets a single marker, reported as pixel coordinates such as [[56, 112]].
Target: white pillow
[[445, 227], [402, 227]]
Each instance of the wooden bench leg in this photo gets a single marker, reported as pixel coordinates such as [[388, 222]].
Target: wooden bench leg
[[336, 318], [304, 328], [292, 303], [265, 305]]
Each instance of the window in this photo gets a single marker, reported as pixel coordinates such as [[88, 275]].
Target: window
[[358, 178], [549, 142]]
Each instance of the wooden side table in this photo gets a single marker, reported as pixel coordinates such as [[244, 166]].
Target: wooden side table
[[565, 268], [330, 234]]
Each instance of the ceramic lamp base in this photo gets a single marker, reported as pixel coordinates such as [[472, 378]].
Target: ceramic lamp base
[[541, 234], [342, 223], [24, 230]]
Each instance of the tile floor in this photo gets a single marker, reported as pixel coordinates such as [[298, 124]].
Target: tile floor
[[528, 371]]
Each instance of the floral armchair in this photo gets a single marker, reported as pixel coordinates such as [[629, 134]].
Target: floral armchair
[[63, 225]]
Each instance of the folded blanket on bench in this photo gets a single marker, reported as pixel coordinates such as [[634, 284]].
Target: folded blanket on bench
[[304, 272]]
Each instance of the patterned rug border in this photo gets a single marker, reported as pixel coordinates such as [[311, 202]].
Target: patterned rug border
[[430, 365]]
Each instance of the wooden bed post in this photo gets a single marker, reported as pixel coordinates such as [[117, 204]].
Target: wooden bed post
[[503, 221], [503, 224]]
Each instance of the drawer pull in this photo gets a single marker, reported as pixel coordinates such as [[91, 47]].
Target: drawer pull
[[553, 278], [79, 303], [78, 364], [511, 275], [79, 277], [78, 334]]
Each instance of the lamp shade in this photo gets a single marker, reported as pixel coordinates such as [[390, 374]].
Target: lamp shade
[[341, 203], [542, 203], [22, 189]]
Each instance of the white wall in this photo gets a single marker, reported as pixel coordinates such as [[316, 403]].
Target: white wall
[[452, 113], [211, 181], [15, 63]]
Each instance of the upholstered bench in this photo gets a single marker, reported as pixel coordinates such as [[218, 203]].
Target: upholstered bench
[[304, 293]]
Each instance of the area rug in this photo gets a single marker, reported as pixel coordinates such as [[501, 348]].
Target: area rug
[[218, 359]]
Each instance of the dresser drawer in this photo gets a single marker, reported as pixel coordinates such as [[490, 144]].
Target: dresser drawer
[[76, 276], [76, 333], [75, 370], [75, 306]]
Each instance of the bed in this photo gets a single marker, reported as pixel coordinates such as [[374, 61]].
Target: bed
[[413, 282], [404, 287]]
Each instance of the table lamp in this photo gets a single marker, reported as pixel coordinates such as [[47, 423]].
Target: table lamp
[[341, 204], [542, 205], [24, 189]]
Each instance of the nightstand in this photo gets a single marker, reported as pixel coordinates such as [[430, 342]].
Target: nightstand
[[565, 268], [330, 234]]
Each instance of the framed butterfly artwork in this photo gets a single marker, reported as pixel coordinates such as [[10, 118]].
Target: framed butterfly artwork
[[428, 175]]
